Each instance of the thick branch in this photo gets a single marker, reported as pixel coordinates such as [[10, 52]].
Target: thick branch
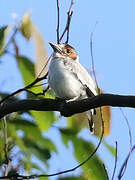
[[70, 108]]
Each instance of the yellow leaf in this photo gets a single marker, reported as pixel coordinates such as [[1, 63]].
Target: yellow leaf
[[105, 115]]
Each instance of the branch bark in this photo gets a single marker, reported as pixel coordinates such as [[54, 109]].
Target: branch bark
[[68, 108]]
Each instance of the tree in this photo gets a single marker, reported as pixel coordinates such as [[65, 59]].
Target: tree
[[22, 132]]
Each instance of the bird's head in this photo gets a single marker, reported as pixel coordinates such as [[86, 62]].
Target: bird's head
[[64, 51]]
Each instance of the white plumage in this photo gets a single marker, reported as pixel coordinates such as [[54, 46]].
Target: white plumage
[[67, 77]]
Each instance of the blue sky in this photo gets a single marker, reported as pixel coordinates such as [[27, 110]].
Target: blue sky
[[113, 48]]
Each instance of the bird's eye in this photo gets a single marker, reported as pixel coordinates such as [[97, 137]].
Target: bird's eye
[[68, 51]]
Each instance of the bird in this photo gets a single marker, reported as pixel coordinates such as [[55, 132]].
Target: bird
[[68, 79]]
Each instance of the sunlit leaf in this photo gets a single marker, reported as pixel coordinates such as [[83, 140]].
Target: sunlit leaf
[[43, 119], [2, 144], [40, 52], [110, 148], [27, 69], [3, 31], [29, 30], [30, 166], [25, 26], [78, 121], [106, 114], [102, 113], [93, 169], [43, 178]]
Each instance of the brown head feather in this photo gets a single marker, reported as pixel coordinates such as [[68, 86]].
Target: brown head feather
[[69, 51]]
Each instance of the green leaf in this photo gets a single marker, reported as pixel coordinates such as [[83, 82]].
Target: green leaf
[[110, 148], [26, 68], [43, 178], [29, 128], [43, 119], [78, 121], [42, 153], [2, 38], [71, 178], [92, 169], [67, 134], [29, 30]]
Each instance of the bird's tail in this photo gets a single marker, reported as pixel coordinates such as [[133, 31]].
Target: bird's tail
[[90, 114]]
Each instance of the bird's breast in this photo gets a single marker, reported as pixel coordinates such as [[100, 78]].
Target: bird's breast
[[63, 82]]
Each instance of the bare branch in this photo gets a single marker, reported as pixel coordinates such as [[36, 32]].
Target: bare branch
[[4, 122], [70, 108], [38, 94], [58, 22], [106, 172], [129, 129], [92, 57], [115, 164], [24, 89], [70, 13], [123, 168]]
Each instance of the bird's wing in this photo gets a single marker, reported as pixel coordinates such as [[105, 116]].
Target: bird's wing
[[83, 76]]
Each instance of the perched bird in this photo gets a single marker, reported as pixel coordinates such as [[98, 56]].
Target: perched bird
[[68, 78]]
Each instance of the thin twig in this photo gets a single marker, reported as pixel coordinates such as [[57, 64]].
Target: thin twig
[[106, 172], [129, 128], [6, 153], [92, 57], [34, 86], [59, 173], [45, 67], [93, 69], [37, 94], [116, 157], [38, 79], [7, 168], [5, 139], [58, 22], [124, 165], [25, 88], [130, 137], [70, 13]]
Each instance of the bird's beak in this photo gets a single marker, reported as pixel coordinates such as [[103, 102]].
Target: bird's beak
[[56, 47]]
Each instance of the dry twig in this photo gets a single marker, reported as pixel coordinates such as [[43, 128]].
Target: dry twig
[[116, 157], [124, 165], [70, 13], [58, 22]]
